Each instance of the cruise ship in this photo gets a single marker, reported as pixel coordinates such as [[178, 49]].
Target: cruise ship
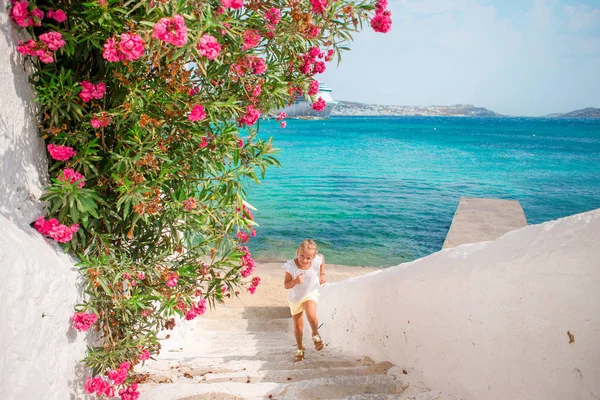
[[302, 108]]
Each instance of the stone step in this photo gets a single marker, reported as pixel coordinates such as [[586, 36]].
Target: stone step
[[429, 395], [342, 387]]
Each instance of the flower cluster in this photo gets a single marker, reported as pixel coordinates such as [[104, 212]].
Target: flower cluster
[[24, 16], [130, 47], [101, 121], [57, 15], [254, 284], [196, 310], [310, 62], [69, 175], [209, 47], [234, 4], [130, 393], [173, 279], [60, 153], [83, 321], [319, 6], [250, 117], [118, 376], [54, 229], [171, 30], [44, 48], [313, 88], [382, 21], [92, 91], [197, 114], [319, 105], [247, 262], [98, 386], [251, 39]]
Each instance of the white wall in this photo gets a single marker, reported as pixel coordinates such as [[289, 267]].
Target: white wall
[[39, 349], [486, 320]]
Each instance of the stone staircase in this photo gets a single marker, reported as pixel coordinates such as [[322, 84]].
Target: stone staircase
[[247, 353]]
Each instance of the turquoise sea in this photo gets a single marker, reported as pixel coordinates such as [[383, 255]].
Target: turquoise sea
[[379, 191]]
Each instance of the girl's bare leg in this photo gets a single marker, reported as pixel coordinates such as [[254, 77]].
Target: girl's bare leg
[[298, 327], [311, 315]]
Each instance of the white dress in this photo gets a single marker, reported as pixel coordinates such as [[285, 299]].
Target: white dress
[[311, 279]]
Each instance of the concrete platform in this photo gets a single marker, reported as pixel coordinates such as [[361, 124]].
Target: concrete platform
[[480, 220]]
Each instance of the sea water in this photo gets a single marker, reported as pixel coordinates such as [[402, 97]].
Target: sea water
[[380, 191]]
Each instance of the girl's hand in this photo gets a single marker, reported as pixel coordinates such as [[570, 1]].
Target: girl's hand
[[299, 279], [322, 280]]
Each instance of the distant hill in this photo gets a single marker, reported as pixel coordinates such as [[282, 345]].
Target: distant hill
[[585, 113], [457, 110]]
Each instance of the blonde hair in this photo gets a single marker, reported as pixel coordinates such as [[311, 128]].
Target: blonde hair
[[308, 244]]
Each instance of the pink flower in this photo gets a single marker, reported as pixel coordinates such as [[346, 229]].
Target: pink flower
[[250, 117], [381, 5], [253, 232], [100, 122], [173, 279], [313, 88], [318, 6], [99, 386], [240, 143], [58, 15], [251, 39], [145, 313], [273, 15], [43, 226], [45, 56], [283, 124], [252, 289], [320, 67], [141, 276], [197, 114], [111, 52], [243, 237], [22, 17], [20, 13], [189, 204], [53, 40], [330, 54], [83, 321], [62, 233], [382, 21], [145, 355], [319, 105], [209, 47], [28, 48], [312, 31], [91, 91], [71, 176], [119, 376], [235, 4], [60, 153], [171, 30], [203, 143], [259, 66], [132, 46], [282, 115], [130, 393]]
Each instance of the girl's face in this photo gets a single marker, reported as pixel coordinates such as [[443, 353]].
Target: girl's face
[[305, 257]]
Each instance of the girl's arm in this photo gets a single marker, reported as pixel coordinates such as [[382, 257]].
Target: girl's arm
[[322, 270], [290, 282]]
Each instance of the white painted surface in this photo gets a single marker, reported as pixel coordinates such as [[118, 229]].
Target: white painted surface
[[23, 164], [39, 349], [486, 320]]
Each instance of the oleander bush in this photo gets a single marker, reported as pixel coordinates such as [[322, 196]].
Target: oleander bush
[[150, 112]]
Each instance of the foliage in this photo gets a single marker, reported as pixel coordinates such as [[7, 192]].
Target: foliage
[[150, 111]]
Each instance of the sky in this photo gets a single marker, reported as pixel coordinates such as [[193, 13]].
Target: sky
[[514, 57]]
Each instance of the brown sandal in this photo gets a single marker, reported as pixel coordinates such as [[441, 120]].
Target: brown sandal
[[318, 342], [299, 355]]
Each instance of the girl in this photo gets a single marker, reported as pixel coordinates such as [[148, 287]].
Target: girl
[[303, 275]]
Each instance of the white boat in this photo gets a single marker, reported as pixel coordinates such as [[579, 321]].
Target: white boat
[[302, 108]]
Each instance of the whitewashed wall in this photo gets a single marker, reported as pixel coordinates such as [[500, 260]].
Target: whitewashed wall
[[486, 320], [39, 349]]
